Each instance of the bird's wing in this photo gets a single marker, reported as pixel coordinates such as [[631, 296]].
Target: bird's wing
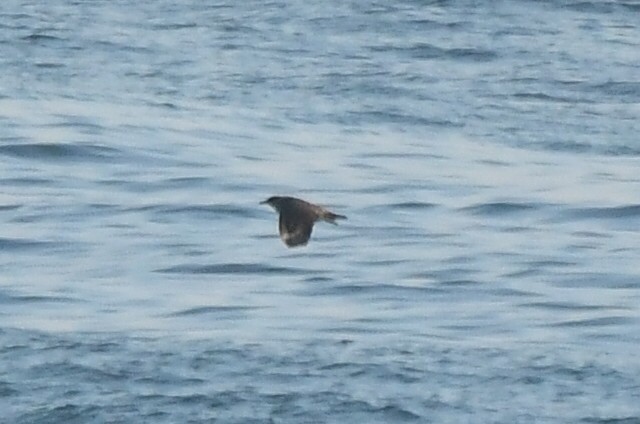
[[295, 232], [316, 212]]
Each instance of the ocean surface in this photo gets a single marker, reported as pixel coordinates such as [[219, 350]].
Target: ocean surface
[[487, 155]]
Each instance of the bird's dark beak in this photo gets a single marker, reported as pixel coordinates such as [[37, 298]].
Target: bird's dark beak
[[264, 201]]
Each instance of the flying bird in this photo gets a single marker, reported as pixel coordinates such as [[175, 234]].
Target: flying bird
[[297, 218]]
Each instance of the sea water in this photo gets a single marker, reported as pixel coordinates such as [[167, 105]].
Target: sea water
[[486, 155]]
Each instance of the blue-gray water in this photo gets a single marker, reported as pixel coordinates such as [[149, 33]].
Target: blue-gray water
[[486, 154]]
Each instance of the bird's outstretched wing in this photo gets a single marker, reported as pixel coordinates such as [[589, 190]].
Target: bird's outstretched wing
[[295, 231]]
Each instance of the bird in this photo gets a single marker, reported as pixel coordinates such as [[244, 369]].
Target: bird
[[297, 217]]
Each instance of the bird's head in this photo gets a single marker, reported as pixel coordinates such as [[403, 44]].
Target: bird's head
[[274, 202]]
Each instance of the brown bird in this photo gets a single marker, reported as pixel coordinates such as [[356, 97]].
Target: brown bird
[[297, 218]]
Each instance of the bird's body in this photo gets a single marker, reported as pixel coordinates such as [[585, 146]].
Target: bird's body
[[297, 218]]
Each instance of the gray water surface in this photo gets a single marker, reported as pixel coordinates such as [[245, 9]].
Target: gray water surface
[[486, 156]]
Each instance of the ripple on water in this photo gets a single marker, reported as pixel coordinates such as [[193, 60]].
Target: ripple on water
[[61, 152], [625, 420], [500, 208], [13, 244], [215, 211], [66, 413], [596, 322], [226, 310], [401, 206], [581, 280], [6, 390], [26, 181], [10, 299], [39, 38], [413, 205], [430, 51], [613, 212], [565, 306], [381, 291], [235, 268]]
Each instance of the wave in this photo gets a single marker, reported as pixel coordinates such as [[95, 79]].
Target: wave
[[13, 244], [608, 212], [234, 268], [500, 208], [596, 322], [202, 211], [429, 51], [61, 151], [207, 310]]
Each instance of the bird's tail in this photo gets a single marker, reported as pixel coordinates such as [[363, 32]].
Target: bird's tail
[[331, 217]]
